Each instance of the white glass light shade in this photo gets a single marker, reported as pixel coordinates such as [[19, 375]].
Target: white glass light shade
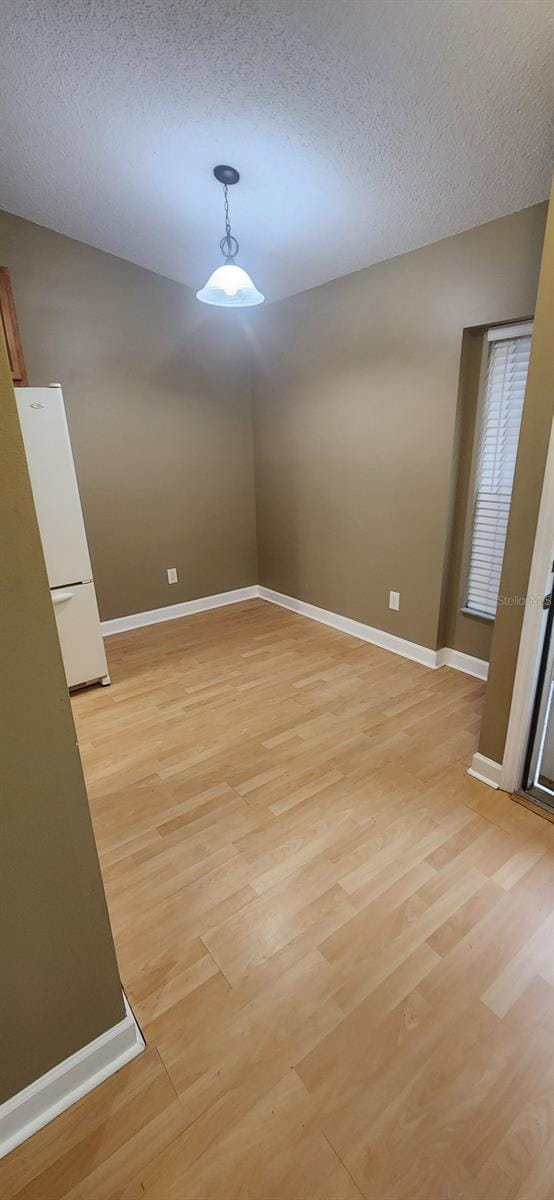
[[230, 287]]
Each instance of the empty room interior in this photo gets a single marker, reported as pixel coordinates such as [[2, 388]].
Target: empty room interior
[[277, 530]]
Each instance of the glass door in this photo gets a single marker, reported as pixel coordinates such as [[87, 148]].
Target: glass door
[[538, 779]]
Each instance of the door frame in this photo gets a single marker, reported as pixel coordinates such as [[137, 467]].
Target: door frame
[[532, 636]]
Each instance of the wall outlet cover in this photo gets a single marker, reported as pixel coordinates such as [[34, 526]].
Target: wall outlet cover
[[172, 574], [394, 600]]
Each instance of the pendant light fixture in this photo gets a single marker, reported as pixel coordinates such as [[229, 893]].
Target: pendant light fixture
[[229, 286]]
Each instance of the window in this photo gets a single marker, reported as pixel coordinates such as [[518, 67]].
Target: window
[[508, 361]]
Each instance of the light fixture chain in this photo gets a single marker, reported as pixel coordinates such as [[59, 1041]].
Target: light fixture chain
[[229, 245], [227, 219]]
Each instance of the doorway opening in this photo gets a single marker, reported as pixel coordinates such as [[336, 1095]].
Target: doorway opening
[[538, 769]]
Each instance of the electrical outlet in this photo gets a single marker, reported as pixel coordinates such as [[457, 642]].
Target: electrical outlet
[[394, 600], [172, 574]]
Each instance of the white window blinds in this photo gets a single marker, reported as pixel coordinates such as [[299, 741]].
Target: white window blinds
[[508, 362]]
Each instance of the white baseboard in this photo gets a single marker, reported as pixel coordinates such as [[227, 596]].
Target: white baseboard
[[71, 1079], [478, 667], [486, 770], [366, 633], [378, 637], [172, 611]]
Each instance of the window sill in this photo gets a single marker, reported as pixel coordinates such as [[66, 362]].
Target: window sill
[[474, 612]]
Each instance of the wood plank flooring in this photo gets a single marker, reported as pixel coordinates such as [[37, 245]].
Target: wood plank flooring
[[339, 945]]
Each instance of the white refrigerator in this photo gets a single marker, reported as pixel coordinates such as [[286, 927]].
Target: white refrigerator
[[62, 530]]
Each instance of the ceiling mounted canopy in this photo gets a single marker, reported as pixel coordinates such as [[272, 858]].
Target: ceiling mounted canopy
[[229, 286]]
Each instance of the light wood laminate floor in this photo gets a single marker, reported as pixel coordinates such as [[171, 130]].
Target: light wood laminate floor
[[339, 945]]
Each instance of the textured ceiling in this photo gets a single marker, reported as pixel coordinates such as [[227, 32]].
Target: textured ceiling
[[362, 128]]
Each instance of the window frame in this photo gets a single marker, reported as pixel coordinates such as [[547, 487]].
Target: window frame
[[493, 333]]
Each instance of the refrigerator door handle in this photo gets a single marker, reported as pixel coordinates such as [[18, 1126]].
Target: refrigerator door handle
[[59, 597]]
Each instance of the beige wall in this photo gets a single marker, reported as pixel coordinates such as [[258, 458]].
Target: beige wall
[[538, 412], [60, 980], [459, 630], [159, 413], [355, 418], [356, 427]]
